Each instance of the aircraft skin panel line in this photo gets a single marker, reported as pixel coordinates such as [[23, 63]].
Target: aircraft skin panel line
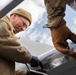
[[10, 6]]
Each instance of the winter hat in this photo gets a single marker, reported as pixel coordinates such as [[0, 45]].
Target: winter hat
[[23, 13]]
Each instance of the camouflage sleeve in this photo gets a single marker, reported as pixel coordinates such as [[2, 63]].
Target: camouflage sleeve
[[55, 11]]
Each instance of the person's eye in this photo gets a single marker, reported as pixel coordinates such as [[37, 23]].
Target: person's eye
[[24, 24]]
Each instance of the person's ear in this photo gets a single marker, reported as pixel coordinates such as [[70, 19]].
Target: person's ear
[[14, 16]]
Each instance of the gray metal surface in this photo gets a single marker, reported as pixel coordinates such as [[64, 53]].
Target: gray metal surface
[[66, 65], [68, 68], [9, 7]]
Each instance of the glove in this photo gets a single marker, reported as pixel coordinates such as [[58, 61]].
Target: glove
[[73, 55], [35, 62]]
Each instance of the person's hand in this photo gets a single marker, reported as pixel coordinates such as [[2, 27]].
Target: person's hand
[[35, 62], [73, 54], [74, 57]]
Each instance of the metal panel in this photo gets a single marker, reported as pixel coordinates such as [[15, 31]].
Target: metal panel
[[9, 7], [69, 68]]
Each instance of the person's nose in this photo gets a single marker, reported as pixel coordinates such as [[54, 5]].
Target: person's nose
[[22, 28]]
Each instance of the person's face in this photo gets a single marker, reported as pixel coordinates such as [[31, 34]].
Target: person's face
[[19, 23]]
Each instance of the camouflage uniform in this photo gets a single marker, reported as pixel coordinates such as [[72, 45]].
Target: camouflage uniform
[[55, 11]]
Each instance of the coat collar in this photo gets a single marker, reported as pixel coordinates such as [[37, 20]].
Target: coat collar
[[7, 20]]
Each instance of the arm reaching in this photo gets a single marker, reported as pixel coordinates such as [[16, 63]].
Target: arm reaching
[[9, 47], [66, 51], [16, 53]]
